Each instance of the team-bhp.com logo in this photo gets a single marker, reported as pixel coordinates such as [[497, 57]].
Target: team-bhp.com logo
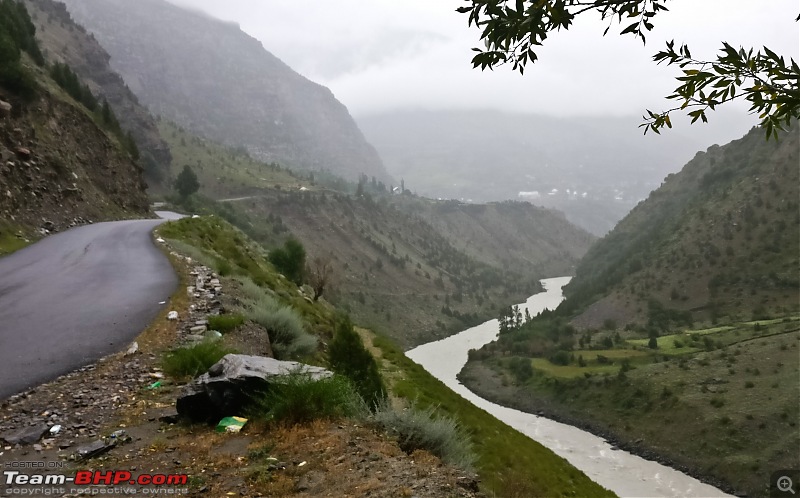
[[116, 478]]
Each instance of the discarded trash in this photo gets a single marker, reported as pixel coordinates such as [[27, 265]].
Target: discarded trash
[[172, 315], [119, 433], [132, 349], [231, 424], [160, 240], [155, 385], [302, 463], [213, 334], [162, 302], [157, 375], [55, 429]]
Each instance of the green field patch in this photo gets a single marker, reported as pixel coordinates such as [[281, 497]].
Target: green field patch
[[571, 371], [674, 344], [612, 354]]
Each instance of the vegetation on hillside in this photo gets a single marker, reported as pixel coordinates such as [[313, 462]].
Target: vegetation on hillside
[[17, 35], [718, 238], [69, 81]]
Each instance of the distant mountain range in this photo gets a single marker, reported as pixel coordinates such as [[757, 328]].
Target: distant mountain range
[[594, 169], [213, 79]]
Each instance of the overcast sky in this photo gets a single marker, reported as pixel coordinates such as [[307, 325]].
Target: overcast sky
[[386, 54]]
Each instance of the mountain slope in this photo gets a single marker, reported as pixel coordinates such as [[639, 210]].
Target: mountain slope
[[490, 155], [63, 40], [215, 80], [59, 165], [718, 238]]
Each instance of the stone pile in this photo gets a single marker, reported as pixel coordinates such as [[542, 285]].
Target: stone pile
[[205, 294]]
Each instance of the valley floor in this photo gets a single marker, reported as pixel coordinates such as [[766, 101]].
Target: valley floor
[[724, 410]]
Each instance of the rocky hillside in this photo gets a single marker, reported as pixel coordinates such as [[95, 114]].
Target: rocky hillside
[[63, 40], [215, 80], [718, 238], [58, 165]]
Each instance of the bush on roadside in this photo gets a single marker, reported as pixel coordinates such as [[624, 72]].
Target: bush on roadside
[[298, 398], [250, 289], [418, 429], [287, 336], [191, 361], [349, 357]]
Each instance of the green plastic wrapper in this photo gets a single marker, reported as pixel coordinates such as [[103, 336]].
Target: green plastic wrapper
[[231, 424]]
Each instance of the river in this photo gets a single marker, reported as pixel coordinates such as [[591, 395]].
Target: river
[[625, 474]]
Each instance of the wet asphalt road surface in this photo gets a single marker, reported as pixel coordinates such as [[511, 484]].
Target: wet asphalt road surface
[[77, 296]]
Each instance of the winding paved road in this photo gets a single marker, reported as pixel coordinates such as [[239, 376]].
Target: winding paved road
[[77, 296]]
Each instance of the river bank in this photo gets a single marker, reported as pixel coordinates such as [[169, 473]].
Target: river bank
[[624, 473], [486, 383]]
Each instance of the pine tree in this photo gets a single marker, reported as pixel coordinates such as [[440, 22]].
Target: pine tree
[[186, 184]]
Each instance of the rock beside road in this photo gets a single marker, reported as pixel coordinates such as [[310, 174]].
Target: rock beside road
[[230, 383]]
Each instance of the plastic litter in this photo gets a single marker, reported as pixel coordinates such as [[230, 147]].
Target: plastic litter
[[231, 424], [55, 429], [172, 315], [132, 349], [155, 385]]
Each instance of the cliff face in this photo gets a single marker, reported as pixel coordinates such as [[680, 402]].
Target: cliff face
[[217, 81], [63, 40], [58, 168]]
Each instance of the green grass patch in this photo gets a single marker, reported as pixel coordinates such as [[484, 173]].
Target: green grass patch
[[571, 371], [192, 361], [225, 323], [298, 398], [674, 344], [614, 354], [507, 460], [10, 241], [424, 429]]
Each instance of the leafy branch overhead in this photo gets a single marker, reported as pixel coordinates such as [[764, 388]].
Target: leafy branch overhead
[[512, 31]]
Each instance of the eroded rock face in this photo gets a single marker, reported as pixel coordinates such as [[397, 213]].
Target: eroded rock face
[[231, 382]]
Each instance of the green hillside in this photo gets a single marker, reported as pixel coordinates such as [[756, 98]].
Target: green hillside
[[720, 238]]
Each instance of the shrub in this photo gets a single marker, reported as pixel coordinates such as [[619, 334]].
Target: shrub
[[225, 323], [298, 399], [422, 429], [290, 260], [560, 358], [349, 357], [250, 289], [192, 361], [285, 328]]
